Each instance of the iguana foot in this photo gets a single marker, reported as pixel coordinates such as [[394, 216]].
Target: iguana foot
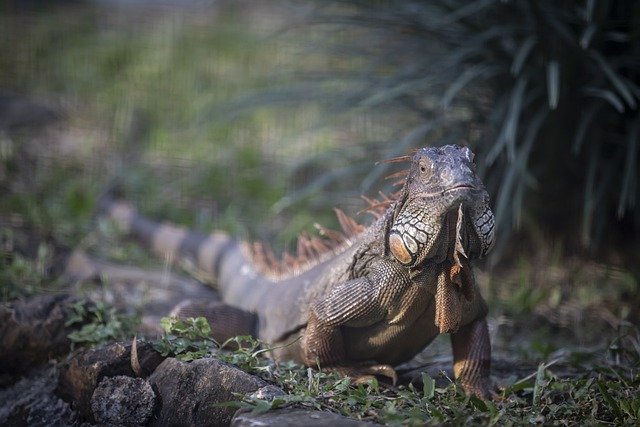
[[482, 389], [367, 371]]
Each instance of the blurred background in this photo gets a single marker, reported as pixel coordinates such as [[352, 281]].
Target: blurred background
[[260, 117]]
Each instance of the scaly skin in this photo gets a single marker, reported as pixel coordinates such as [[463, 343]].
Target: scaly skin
[[381, 297]]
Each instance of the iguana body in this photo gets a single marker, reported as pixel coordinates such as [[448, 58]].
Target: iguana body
[[373, 298]]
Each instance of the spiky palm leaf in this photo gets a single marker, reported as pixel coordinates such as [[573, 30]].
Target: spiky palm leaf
[[551, 86]]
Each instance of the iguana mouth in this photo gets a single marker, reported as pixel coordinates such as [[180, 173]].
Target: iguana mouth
[[458, 187]]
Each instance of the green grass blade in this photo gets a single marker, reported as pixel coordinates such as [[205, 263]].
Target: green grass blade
[[587, 36], [464, 79], [613, 405], [607, 95], [517, 169], [428, 386], [562, 29], [465, 11], [630, 170], [553, 84], [617, 82], [402, 88], [588, 205], [522, 54], [591, 4], [538, 386], [583, 125], [510, 128]]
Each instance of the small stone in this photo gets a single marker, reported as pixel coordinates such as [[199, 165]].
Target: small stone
[[190, 392], [123, 400], [80, 375], [267, 393]]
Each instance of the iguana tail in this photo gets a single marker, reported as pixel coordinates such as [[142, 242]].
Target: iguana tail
[[207, 252], [218, 255]]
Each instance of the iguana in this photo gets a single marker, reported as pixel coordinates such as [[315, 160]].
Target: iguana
[[362, 300]]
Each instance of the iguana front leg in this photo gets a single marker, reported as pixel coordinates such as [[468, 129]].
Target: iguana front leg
[[472, 358], [355, 303]]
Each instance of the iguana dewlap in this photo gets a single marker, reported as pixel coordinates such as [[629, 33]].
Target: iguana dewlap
[[366, 299]]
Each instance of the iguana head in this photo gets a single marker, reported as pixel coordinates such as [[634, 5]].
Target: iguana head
[[442, 203]]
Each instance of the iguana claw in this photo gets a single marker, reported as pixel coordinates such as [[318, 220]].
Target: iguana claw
[[366, 372], [481, 389]]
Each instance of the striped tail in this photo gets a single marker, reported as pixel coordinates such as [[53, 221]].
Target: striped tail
[[217, 255]]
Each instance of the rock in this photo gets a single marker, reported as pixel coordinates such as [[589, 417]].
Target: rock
[[188, 392], [32, 402], [293, 417], [268, 392], [33, 331], [123, 400], [80, 375]]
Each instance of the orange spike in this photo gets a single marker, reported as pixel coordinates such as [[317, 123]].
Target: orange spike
[[288, 260], [369, 200], [318, 246], [396, 159], [403, 173], [334, 236], [270, 256], [374, 209], [350, 227], [304, 248], [258, 255]]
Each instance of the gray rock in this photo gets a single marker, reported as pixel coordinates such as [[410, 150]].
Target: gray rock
[[32, 331], [293, 417], [189, 391], [267, 393], [32, 402], [123, 400], [80, 375]]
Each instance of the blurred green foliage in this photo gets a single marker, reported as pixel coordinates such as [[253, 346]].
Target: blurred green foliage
[[546, 92], [141, 95], [98, 323]]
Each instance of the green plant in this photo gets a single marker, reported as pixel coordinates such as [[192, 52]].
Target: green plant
[[546, 92], [99, 323], [246, 353], [185, 339], [21, 276], [190, 338]]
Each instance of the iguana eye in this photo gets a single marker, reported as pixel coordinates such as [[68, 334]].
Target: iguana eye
[[425, 167]]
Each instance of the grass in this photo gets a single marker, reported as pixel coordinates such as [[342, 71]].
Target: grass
[[144, 97], [606, 393]]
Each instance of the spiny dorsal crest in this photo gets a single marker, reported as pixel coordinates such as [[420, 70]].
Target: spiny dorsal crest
[[313, 250]]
